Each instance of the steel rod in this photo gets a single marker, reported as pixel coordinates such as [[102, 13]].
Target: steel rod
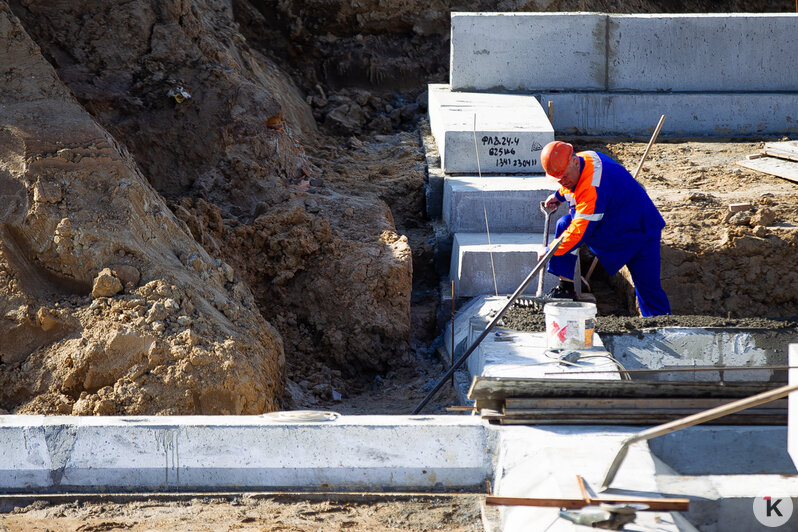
[[672, 370], [524, 284], [689, 421]]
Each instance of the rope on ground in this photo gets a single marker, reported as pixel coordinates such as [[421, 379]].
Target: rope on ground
[[302, 416], [484, 209]]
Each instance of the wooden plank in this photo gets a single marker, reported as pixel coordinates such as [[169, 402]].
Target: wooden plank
[[654, 504], [639, 419], [771, 165], [782, 150], [608, 413], [625, 403], [499, 388]]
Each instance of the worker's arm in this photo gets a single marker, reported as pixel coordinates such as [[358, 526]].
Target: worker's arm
[[553, 201], [583, 224]]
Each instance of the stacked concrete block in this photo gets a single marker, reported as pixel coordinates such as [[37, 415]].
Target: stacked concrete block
[[510, 204], [710, 74], [515, 51], [488, 133], [508, 257]]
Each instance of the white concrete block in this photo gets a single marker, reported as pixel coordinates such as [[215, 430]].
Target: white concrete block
[[687, 114], [707, 52], [512, 204], [510, 131], [513, 257], [516, 51], [26, 459], [243, 452]]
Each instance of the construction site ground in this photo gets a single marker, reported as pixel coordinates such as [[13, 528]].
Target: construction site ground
[[249, 513], [251, 175]]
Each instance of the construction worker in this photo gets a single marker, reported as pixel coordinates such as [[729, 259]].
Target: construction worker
[[613, 215]]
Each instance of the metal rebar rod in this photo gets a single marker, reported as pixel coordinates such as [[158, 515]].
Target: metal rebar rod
[[670, 370], [524, 284]]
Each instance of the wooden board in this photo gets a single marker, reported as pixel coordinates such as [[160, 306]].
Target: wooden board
[[513, 404], [654, 504], [773, 166], [642, 418], [782, 150], [500, 388]]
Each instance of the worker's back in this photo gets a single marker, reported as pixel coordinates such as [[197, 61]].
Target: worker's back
[[630, 217]]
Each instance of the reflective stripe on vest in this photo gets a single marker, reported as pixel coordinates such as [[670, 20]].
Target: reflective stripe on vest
[[590, 217]]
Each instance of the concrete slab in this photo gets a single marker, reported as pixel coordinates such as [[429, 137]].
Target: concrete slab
[[242, 452], [513, 256], [510, 131], [725, 450], [687, 346], [688, 114], [514, 353], [543, 461], [512, 204], [725, 502], [719, 52], [513, 51]]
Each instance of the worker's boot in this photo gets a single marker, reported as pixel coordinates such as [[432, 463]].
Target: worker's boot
[[565, 290]]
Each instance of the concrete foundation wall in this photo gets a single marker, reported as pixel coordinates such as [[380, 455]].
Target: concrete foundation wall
[[514, 51], [687, 114], [688, 53], [54, 454]]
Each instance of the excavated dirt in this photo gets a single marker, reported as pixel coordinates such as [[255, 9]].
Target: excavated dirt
[[423, 513], [218, 206]]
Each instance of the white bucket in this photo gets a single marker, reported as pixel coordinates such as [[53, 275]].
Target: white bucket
[[569, 324]]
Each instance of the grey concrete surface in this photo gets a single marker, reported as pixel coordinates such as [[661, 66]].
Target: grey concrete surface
[[511, 204], [713, 114], [515, 51], [725, 450], [528, 52], [686, 346], [716, 52], [513, 256]]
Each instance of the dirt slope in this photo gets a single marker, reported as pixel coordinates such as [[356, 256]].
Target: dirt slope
[[108, 304], [230, 159]]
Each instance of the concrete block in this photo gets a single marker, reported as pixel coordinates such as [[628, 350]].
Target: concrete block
[[688, 114], [707, 52], [242, 452], [513, 51], [514, 255], [512, 204], [510, 131], [26, 462]]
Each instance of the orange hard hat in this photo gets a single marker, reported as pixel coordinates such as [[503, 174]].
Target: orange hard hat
[[555, 157]]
